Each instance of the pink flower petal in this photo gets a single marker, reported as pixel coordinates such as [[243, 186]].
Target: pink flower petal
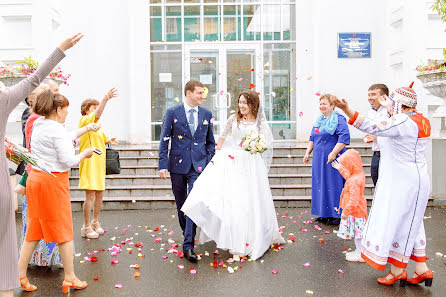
[[341, 271], [181, 266]]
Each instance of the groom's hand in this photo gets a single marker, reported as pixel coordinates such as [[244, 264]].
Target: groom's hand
[[163, 173]]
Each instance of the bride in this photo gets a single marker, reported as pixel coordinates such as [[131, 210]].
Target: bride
[[231, 201]]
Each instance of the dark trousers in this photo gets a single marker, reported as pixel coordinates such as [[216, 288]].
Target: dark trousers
[[375, 167], [180, 184]]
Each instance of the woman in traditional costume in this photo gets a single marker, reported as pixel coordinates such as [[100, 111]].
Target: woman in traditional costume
[[394, 232]]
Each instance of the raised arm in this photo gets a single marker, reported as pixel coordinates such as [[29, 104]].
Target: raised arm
[[20, 91], [379, 127], [113, 92]]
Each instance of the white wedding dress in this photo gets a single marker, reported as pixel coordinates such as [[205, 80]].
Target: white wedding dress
[[231, 200]]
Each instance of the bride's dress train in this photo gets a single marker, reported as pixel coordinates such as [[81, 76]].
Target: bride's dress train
[[231, 201]]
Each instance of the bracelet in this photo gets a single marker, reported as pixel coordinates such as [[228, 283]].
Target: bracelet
[[107, 97]]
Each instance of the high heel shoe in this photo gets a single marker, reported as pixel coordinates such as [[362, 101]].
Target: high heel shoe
[[26, 286], [66, 285], [427, 277], [402, 277], [91, 235], [97, 228]]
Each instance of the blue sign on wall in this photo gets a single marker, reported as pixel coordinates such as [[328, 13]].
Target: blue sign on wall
[[354, 45]]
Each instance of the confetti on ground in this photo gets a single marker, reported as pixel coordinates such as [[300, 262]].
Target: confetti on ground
[[240, 79], [114, 261], [309, 292], [230, 269], [78, 255], [306, 265], [193, 271], [119, 286], [95, 278], [136, 274], [181, 266], [341, 271], [275, 271], [439, 254]]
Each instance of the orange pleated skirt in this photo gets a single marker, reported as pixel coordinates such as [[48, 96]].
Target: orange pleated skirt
[[49, 207]]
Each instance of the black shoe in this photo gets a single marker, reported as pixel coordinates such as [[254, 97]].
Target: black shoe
[[333, 221], [321, 220], [190, 255]]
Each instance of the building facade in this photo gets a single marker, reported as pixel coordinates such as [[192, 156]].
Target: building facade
[[286, 50]]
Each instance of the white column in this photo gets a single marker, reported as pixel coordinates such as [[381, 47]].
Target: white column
[[139, 74], [305, 66]]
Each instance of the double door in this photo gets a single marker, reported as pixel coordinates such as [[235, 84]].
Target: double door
[[225, 70]]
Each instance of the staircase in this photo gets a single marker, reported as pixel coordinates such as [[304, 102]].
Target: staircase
[[139, 186]]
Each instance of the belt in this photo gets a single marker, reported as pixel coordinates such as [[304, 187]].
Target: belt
[[377, 153]]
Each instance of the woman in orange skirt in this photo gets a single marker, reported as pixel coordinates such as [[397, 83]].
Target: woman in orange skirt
[[49, 206]]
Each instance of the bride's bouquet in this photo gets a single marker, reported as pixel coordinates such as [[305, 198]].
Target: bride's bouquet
[[254, 142], [17, 154]]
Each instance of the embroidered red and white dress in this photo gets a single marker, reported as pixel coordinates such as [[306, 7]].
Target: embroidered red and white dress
[[394, 232]]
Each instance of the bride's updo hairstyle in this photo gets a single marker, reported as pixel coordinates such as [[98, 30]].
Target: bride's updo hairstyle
[[253, 102], [47, 102]]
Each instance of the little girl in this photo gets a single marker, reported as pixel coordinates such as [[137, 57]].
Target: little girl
[[353, 203]]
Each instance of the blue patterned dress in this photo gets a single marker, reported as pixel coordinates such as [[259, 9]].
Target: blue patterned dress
[[327, 183], [45, 254]]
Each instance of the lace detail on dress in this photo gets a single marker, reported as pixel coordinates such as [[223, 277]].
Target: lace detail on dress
[[228, 127]]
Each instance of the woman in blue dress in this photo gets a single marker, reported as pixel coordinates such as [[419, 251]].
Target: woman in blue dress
[[328, 139]]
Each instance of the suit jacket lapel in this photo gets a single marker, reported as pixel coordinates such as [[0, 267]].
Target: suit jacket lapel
[[181, 117], [200, 118]]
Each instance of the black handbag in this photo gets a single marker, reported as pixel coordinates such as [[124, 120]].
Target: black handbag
[[112, 164]]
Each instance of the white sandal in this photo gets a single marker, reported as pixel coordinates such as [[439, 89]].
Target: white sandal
[[91, 235], [97, 228]]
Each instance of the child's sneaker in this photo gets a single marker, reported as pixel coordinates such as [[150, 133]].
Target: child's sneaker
[[354, 256]]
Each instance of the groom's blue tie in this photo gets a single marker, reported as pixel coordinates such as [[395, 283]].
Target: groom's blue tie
[[192, 121]]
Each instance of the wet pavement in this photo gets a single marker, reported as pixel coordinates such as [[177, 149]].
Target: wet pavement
[[162, 277]]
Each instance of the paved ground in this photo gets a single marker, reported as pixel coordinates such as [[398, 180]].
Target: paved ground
[[162, 277]]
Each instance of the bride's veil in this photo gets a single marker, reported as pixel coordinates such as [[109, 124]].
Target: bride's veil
[[264, 129]]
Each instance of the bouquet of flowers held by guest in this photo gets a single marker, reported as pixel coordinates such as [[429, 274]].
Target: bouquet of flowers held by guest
[[17, 154], [254, 142]]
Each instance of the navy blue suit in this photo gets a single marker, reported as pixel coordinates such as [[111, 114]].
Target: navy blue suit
[[189, 154]]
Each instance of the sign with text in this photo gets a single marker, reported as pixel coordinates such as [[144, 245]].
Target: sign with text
[[354, 45]]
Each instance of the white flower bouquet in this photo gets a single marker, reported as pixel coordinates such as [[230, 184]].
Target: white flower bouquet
[[17, 154], [254, 142]]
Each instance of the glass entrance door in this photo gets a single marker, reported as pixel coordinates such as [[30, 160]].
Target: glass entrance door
[[225, 70]]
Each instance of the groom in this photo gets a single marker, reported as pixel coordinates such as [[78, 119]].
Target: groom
[[189, 129]]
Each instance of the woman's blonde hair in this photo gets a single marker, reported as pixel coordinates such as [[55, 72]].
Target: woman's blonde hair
[[329, 98], [34, 94]]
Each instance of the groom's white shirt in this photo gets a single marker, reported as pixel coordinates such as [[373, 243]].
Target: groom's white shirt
[[187, 108]]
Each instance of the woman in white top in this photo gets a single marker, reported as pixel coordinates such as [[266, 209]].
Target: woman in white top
[[49, 207]]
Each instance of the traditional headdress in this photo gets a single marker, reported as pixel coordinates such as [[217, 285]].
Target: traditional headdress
[[404, 96]]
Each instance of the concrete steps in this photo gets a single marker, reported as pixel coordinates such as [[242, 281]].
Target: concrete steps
[[139, 186]]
